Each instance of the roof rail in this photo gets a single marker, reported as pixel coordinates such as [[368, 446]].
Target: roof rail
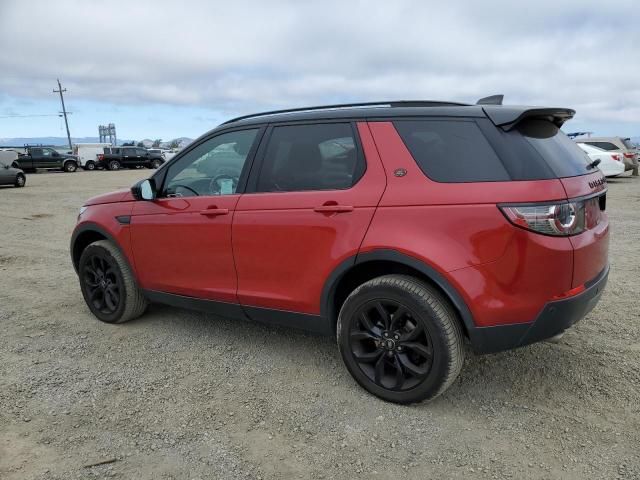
[[393, 104]]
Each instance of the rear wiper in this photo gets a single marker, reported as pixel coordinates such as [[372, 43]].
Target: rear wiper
[[593, 164]]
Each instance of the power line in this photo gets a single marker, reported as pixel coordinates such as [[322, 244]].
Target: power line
[[64, 111], [35, 115]]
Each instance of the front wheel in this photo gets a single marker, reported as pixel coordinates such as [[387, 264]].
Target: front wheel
[[155, 164], [21, 181], [400, 339], [108, 285], [114, 165], [70, 167], [90, 165]]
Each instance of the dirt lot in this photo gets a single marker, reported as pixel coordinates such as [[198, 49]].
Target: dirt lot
[[178, 394]]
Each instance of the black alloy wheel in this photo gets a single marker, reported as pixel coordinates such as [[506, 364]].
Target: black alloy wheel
[[108, 285], [391, 347], [114, 165], [400, 339], [103, 284]]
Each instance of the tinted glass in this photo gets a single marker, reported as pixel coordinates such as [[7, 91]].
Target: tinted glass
[[561, 153], [212, 168], [604, 145], [452, 151], [310, 157], [627, 143]]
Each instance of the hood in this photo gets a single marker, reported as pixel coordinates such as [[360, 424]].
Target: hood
[[111, 197]]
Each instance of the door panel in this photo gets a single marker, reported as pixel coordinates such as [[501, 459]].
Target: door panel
[[182, 241], [179, 250], [286, 244]]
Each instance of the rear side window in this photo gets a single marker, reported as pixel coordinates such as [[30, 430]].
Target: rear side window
[[451, 150], [310, 157]]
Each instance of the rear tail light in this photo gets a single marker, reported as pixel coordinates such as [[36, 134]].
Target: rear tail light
[[557, 219], [629, 155], [616, 157], [101, 156]]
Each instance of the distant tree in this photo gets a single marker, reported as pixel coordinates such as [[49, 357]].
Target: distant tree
[[174, 144], [140, 144], [156, 143]]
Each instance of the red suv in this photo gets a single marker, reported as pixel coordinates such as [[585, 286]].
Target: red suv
[[404, 228]]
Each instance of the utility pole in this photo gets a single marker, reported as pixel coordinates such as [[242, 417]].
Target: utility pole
[[64, 111]]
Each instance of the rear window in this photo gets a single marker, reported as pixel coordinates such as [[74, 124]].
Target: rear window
[[608, 146], [452, 150], [627, 143]]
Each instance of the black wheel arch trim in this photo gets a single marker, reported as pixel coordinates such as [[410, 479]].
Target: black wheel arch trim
[[401, 258], [94, 227]]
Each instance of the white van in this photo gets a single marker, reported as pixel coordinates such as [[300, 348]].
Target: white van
[[87, 154]]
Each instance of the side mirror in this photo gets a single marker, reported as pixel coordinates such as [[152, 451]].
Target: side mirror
[[144, 189]]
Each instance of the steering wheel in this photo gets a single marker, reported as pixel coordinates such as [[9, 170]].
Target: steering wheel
[[215, 187], [186, 188]]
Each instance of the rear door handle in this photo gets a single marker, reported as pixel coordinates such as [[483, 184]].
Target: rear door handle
[[214, 211], [333, 209]]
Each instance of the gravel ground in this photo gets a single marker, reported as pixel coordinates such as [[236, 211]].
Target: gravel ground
[[178, 394]]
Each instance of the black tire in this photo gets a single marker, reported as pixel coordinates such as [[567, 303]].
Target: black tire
[[21, 180], [90, 165], [70, 166], [155, 164], [114, 165], [113, 296], [407, 355]]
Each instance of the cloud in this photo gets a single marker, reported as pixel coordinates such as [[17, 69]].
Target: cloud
[[244, 56]]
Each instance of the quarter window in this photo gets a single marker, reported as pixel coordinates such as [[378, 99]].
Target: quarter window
[[451, 150], [310, 157]]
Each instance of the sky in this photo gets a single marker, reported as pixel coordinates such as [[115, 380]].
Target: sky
[[164, 69]]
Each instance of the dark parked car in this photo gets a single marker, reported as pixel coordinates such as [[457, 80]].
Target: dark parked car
[[115, 158], [404, 229], [46, 157], [9, 173]]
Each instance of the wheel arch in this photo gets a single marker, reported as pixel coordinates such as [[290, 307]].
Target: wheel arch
[[86, 234], [366, 266]]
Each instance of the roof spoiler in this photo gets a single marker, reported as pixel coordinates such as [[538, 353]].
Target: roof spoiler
[[509, 116]]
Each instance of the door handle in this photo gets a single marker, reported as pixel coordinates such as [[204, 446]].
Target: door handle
[[333, 208], [214, 211]]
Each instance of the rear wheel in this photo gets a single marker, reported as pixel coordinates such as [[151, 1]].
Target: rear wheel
[[70, 166], [90, 165], [400, 339], [155, 164], [21, 180], [108, 285], [114, 165]]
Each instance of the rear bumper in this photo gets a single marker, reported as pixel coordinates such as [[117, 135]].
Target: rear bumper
[[554, 318]]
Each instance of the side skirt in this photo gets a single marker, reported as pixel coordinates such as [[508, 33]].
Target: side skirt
[[302, 321]]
